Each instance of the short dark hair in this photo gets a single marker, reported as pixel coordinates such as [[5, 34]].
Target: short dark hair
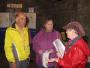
[[27, 21], [76, 26], [17, 13], [46, 20]]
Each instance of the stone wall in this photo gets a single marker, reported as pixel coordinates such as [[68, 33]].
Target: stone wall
[[84, 15], [63, 11]]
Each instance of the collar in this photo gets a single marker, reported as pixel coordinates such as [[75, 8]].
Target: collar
[[16, 27], [74, 40]]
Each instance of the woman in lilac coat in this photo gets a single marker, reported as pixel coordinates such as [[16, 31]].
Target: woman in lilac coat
[[43, 41]]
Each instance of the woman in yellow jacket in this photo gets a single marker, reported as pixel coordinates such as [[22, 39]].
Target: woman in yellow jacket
[[16, 47]]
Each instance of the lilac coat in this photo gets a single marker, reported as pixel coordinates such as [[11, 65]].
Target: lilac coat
[[44, 41]]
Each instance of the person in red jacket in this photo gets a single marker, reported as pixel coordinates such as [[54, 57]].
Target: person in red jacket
[[77, 50]]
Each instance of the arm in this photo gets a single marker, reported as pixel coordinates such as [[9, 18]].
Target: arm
[[36, 46], [85, 48], [8, 47], [75, 57]]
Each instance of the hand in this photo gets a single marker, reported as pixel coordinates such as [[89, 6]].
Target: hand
[[51, 51], [40, 51], [53, 60], [13, 65], [58, 54], [57, 59]]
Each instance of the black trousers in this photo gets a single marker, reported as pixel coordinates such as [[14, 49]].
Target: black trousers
[[20, 64]]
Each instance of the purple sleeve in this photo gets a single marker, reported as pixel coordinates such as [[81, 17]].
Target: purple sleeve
[[36, 47]]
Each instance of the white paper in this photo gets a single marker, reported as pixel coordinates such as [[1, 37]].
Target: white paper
[[45, 57], [60, 48]]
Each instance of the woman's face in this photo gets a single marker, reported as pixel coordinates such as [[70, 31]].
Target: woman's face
[[49, 25], [70, 33], [21, 20]]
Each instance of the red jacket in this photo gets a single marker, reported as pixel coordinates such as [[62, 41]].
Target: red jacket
[[77, 55]]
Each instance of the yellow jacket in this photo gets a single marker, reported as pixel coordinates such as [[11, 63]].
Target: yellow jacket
[[14, 48]]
